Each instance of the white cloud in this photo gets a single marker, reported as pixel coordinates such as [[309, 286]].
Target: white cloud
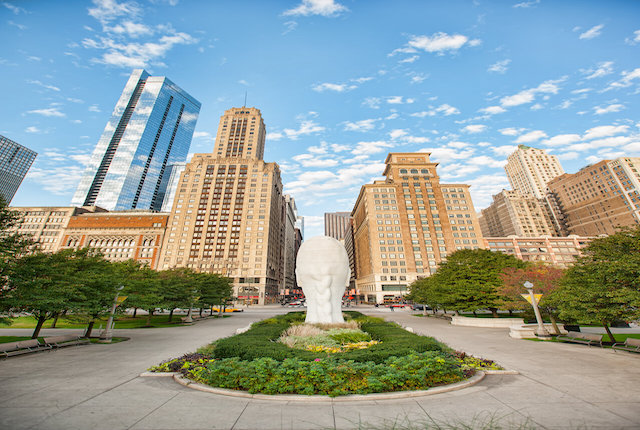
[[328, 8], [32, 129], [398, 100], [327, 86], [526, 4], [339, 148], [566, 104], [486, 161], [13, 8], [598, 110], [493, 110], [108, 10], [243, 82], [364, 148], [562, 140], [438, 42], [202, 135], [626, 80], [445, 109], [362, 79], [50, 112], [47, 86], [446, 155], [306, 127], [94, 108], [504, 150], [308, 160], [531, 136], [572, 155], [484, 187], [500, 66], [592, 32], [397, 133], [410, 59], [131, 29], [537, 106], [363, 125], [511, 131], [635, 39], [418, 78], [372, 102], [604, 68], [528, 95], [606, 142], [604, 131], [19, 26], [474, 128], [274, 136]]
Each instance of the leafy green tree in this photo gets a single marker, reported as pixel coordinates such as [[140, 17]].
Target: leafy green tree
[[469, 280], [42, 285], [12, 246], [143, 289], [212, 289], [603, 286], [545, 278], [177, 289]]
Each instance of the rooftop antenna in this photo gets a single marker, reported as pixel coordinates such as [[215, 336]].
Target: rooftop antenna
[[245, 99]]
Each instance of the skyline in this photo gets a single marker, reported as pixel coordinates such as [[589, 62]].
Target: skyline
[[339, 84]]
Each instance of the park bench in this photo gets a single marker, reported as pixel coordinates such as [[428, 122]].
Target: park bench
[[585, 338], [65, 340], [630, 344], [11, 349]]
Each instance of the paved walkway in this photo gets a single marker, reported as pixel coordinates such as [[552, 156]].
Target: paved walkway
[[97, 386]]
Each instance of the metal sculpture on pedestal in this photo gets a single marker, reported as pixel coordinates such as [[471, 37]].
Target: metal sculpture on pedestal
[[322, 270]]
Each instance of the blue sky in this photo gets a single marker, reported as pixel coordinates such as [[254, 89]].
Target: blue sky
[[340, 83]]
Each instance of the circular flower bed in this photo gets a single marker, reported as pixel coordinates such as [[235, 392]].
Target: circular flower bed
[[281, 356]]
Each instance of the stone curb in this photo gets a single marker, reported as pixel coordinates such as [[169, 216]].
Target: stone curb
[[501, 372], [479, 376]]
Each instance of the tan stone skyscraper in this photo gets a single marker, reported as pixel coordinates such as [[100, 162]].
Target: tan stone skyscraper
[[530, 169], [405, 225], [228, 215], [512, 213]]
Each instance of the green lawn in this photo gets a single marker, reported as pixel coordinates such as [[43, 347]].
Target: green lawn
[[121, 322]]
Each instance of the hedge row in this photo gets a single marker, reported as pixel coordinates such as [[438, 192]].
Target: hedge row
[[261, 341]]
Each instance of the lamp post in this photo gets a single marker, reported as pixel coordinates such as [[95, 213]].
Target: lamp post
[[541, 331], [107, 334]]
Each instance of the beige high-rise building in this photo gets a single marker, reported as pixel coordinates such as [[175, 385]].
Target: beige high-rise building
[[530, 169], [512, 213], [600, 198], [405, 225], [228, 214], [47, 224], [557, 251], [336, 224]]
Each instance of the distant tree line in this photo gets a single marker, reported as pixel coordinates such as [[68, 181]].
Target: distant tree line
[[601, 287], [84, 284]]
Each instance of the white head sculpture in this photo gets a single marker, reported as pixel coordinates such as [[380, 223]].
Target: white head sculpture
[[322, 269]]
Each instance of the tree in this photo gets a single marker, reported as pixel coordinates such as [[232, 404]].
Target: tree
[[603, 286], [469, 280], [212, 289], [12, 246], [177, 289], [546, 279], [42, 285], [143, 289]]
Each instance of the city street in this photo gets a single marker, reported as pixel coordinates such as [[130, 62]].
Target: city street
[[98, 386]]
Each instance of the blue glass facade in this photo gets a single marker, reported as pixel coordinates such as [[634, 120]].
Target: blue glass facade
[[15, 161], [149, 132]]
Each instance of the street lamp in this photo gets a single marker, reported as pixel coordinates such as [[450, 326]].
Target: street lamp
[[541, 331], [107, 334]]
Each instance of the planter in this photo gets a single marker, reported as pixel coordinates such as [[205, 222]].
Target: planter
[[486, 322], [527, 331]]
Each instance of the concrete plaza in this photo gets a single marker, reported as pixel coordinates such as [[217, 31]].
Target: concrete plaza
[[98, 386]]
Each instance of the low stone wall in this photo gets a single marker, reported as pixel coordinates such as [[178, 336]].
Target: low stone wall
[[486, 322], [523, 331]]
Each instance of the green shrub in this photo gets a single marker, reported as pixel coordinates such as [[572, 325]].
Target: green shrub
[[345, 335]]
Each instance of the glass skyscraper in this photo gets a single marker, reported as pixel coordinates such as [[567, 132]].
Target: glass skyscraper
[[149, 132], [15, 161]]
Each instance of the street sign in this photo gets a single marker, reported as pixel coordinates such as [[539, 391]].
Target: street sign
[[527, 297]]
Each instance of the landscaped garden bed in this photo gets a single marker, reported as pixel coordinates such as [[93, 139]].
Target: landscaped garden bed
[[282, 355]]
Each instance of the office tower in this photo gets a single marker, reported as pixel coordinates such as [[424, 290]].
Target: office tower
[[46, 224], [336, 224], [170, 193], [15, 161], [600, 198], [557, 251], [406, 224], [530, 169], [290, 251], [120, 236], [512, 213], [150, 130], [228, 214]]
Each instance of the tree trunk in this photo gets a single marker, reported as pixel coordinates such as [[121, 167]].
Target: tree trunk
[[608, 330], [55, 320], [474, 313], [510, 313], [135, 312], [211, 311], [170, 315], [200, 313], [494, 312], [89, 329], [424, 310], [149, 315], [556, 330], [36, 332]]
